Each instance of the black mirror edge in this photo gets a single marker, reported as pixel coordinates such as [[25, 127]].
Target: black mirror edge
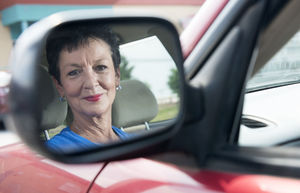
[[23, 95]]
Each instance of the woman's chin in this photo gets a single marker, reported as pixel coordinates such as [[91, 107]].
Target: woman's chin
[[96, 111], [93, 114]]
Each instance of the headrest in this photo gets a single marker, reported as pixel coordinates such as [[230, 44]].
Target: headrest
[[53, 111], [134, 104]]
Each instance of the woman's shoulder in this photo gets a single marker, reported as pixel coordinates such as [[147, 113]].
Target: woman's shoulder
[[67, 140], [64, 136], [122, 134]]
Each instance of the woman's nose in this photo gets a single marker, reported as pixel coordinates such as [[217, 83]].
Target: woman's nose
[[90, 80]]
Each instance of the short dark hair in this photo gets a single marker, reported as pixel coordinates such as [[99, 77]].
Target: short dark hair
[[72, 35]]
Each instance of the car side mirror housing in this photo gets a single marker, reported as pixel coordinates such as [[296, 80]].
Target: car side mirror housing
[[148, 82]]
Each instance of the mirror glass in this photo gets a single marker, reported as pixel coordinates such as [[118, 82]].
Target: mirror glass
[[271, 107], [105, 82]]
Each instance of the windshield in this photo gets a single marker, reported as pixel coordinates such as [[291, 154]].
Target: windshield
[[282, 69]]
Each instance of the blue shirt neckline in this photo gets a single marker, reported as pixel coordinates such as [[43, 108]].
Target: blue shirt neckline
[[68, 141]]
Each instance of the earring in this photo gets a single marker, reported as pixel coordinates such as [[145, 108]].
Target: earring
[[119, 87], [62, 99]]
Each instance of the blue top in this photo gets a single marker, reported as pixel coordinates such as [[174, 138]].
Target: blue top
[[68, 141]]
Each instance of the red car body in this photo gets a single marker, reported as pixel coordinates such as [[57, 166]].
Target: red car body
[[23, 171]]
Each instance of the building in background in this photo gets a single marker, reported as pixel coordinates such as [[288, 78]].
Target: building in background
[[17, 15]]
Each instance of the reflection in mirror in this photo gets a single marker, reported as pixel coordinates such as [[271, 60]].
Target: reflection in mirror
[[99, 85], [161, 77], [271, 108]]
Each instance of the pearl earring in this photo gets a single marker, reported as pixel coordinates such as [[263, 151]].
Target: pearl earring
[[119, 87], [62, 99]]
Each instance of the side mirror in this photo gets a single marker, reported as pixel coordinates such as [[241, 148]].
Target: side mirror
[[132, 85]]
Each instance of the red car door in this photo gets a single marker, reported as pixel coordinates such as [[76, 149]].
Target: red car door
[[145, 175]]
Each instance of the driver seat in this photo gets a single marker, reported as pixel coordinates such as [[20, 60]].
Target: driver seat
[[134, 106]]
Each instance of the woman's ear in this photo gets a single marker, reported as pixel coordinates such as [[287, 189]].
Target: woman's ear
[[58, 87], [118, 76]]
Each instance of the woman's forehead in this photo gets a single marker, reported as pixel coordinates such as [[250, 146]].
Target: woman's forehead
[[95, 50]]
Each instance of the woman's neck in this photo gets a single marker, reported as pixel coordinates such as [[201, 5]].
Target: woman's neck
[[95, 129]]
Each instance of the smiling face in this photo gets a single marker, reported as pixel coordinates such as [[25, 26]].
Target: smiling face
[[88, 79]]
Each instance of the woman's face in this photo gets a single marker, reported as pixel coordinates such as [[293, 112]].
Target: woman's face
[[88, 78]]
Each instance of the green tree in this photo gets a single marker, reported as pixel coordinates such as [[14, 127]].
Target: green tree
[[125, 69], [173, 81]]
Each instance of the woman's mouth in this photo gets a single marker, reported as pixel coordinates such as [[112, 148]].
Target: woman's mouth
[[93, 98]]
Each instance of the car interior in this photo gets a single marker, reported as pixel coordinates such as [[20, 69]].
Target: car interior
[[54, 112]]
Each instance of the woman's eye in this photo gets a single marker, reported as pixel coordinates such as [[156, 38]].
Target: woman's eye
[[100, 68], [73, 73]]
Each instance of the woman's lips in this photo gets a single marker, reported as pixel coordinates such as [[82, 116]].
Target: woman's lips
[[93, 98]]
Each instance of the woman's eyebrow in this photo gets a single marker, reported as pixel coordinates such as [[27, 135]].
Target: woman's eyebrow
[[74, 65], [71, 65]]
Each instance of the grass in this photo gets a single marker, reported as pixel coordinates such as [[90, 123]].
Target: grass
[[166, 111], [53, 132]]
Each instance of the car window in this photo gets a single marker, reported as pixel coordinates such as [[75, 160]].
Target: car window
[[282, 69], [271, 106], [165, 86]]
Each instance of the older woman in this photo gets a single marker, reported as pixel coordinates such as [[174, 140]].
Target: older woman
[[84, 62]]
